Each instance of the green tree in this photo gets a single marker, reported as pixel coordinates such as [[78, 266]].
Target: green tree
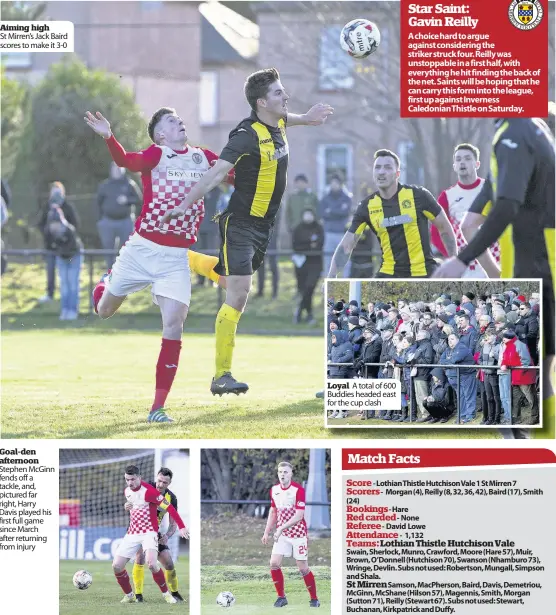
[[22, 11], [64, 147], [14, 97]]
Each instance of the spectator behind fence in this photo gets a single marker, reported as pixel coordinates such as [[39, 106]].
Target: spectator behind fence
[[117, 197], [489, 353], [516, 354], [208, 236], [57, 198], [370, 352], [527, 329], [437, 403], [307, 241], [458, 353], [335, 211], [424, 355], [68, 250], [298, 202], [340, 352]]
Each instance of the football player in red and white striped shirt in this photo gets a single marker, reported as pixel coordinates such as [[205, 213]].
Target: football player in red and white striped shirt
[[287, 512], [159, 255], [143, 528], [456, 201]]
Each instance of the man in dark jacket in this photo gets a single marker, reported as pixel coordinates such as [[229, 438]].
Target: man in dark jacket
[[424, 354], [370, 353], [527, 329], [355, 335], [341, 352], [307, 241], [57, 199], [334, 211], [117, 197], [437, 403], [458, 353]]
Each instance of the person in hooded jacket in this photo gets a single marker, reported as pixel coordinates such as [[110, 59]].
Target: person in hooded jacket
[[355, 335], [308, 240], [341, 351], [370, 353], [438, 403], [458, 353], [424, 354]]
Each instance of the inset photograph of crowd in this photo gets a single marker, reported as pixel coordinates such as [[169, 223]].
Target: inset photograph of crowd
[[467, 353], [265, 530]]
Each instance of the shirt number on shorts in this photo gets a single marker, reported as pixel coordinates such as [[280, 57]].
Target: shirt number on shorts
[[302, 550]]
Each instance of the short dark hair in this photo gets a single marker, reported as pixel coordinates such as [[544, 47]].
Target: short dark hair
[[166, 472], [301, 178], [337, 178], [156, 117], [257, 84], [387, 152], [467, 146], [132, 471]]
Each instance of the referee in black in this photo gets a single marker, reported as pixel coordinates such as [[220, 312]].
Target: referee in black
[[518, 201], [258, 151]]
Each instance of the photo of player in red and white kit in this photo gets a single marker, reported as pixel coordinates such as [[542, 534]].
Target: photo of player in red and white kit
[[143, 532], [287, 513]]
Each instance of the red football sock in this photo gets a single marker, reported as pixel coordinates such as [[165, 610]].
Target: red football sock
[[311, 585], [278, 578], [123, 579], [166, 369], [160, 580], [97, 294]]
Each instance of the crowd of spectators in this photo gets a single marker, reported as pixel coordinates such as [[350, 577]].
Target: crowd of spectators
[[424, 344]]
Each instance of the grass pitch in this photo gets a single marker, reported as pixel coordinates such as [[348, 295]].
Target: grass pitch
[[68, 383], [105, 594], [254, 590]]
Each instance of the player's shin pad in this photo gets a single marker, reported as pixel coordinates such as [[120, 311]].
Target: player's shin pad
[[225, 329], [171, 580], [138, 574]]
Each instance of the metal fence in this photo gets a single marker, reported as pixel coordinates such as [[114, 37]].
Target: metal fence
[[457, 367]]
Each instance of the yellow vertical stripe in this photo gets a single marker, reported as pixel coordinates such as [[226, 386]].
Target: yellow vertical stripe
[[411, 232], [225, 247], [507, 256], [266, 179], [550, 240], [376, 219]]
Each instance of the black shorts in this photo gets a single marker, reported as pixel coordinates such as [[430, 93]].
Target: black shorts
[[548, 309], [243, 244], [162, 548]]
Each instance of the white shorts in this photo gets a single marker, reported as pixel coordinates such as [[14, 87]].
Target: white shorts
[[131, 543], [142, 262], [291, 546]]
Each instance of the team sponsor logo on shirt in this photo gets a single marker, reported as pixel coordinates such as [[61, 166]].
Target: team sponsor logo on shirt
[[396, 221], [525, 15], [301, 504], [279, 153], [183, 174], [406, 204]]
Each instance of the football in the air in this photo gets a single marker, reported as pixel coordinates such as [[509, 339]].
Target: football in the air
[[82, 579], [360, 38], [225, 599]]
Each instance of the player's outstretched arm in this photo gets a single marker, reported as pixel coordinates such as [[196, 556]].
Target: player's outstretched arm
[[316, 116], [446, 233], [342, 253], [469, 227], [98, 123], [210, 180]]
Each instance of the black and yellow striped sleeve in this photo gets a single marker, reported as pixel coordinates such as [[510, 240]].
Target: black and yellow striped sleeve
[[483, 201], [361, 218], [426, 203]]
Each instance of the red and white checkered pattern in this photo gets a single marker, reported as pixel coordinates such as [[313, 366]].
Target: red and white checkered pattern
[[143, 517], [287, 502], [171, 180]]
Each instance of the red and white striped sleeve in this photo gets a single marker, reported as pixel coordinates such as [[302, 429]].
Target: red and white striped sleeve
[[138, 162], [272, 502], [300, 498]]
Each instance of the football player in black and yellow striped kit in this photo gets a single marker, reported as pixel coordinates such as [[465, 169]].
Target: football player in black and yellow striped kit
[[258, 151], [399, 216], [162, 482], [517, 204]]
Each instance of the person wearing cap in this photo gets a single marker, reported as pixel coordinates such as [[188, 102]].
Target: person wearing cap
[[341, 352], [450, 310], [516, 354], [458, 353], [527, 329], [355, 335], [339, 313], [370, 353], [437, 404]]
